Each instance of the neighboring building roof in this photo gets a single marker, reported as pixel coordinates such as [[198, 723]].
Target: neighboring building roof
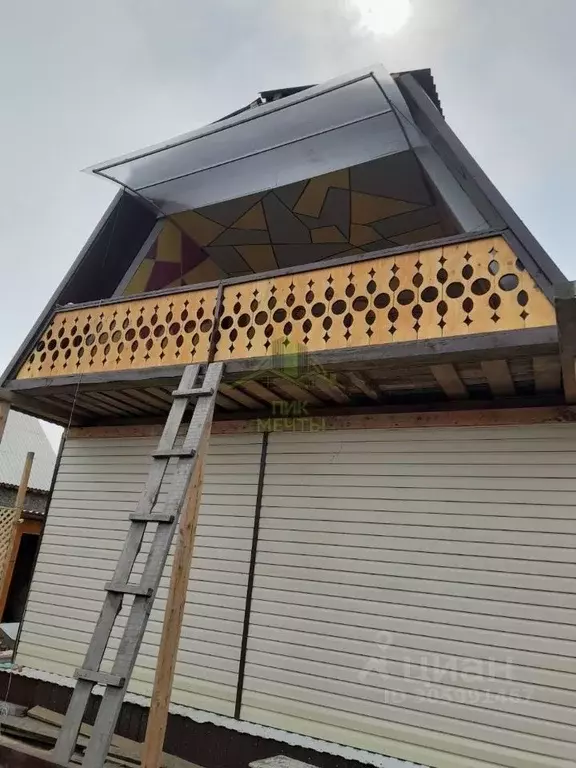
[[23, 434]]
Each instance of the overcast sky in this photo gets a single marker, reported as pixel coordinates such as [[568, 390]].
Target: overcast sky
[[85, 81]]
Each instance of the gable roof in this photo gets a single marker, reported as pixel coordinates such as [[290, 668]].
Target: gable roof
[[22, 434]]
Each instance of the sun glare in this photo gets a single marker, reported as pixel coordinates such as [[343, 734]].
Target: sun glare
[[383, 16]]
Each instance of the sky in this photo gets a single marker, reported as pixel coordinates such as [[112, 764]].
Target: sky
[[85, 81]]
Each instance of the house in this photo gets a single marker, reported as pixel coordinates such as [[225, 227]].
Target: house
[[21, 435], [384, 566], [20, 529]]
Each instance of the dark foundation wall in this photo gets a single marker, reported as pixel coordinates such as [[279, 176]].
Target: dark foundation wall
[[207, 745], [36, 501]]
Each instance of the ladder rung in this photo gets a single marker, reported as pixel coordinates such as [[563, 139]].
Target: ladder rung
[[196, 392], [155, 517], [201, 399], [100, 678], [175, 453], [129, 589]]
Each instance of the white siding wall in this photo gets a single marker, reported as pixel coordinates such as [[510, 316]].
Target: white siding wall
[[383, 553], [97, 487]]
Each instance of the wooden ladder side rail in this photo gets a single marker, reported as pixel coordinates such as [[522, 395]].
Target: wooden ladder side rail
[[173, 617], [116, 682]]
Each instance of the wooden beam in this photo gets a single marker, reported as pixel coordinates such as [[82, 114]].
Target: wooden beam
[[566, 318], [547, 374], [257, 389], [236, 394], [462, 414], [447, 377], [499, 378], [363, 384], [327, 386], [473, 417], [294, 391], [24, 480], [16, 536], [493, 345], [226, 403], [175, 605]]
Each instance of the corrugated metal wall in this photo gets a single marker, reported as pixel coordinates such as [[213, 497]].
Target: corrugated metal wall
[[97, 487], [414, 589]]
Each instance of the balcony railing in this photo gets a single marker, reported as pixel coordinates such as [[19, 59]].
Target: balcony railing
[[464, 288]]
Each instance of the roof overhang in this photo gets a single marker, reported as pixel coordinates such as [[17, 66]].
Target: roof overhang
[[341, 123]]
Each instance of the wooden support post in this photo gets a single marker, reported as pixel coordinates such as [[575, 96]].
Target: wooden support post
[[566, 320], [24, 480], [175, 605], [16, 535]]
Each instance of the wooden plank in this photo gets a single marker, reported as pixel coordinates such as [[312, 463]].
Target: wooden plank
[[390, 418], [362, 383], [490, 345], [133, 403], [237, 395], [294, 391], [473, 417], [566, 319], [447, 377], [329, 388], [161, 394], [174, 613], [10, 562], [108, 403], [531, 341], [547, 374], [150, 398], [121, 746], [24, 480], [257, 389], [498, 375], [226, 403]]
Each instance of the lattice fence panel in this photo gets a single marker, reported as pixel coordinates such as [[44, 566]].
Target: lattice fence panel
[[8, 516]]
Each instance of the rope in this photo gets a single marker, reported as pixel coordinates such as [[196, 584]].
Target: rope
[[65, 436]]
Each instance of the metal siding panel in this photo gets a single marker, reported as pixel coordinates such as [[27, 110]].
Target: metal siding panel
[[83, 537], [394, 551]]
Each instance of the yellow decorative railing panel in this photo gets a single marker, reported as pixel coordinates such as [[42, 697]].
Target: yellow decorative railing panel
[[464, 288], [459, 289], [142, 333]]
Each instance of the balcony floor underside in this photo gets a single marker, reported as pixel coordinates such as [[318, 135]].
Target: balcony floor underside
[[512, 367]]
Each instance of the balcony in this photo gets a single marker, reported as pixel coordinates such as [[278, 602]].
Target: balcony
[[459, 289], [448, 320]]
